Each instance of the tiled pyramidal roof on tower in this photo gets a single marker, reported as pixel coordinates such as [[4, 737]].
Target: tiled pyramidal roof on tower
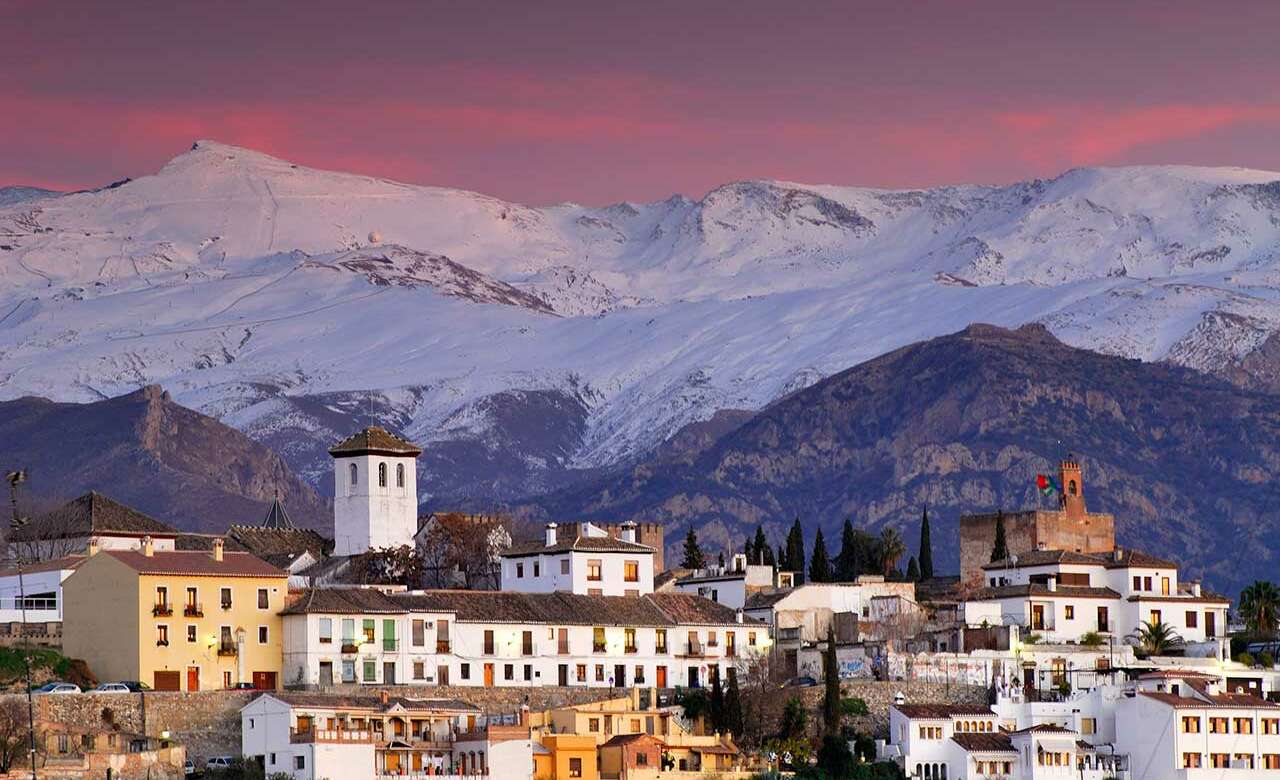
[[375, 440]]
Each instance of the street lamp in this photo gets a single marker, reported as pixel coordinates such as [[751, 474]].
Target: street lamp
[[15, 478]]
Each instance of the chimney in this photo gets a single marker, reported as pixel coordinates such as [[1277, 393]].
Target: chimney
[[148, 547], [1117, 554], [1042, 546], [217, 550], [738, 616], [629, 531], [551, 534], [1195, 588], [524, 715], [384, 697], [1053, 583], [93, 546]]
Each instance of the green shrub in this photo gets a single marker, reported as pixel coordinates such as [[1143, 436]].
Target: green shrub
[[1244, 658], [853, 707], [1266, 659]]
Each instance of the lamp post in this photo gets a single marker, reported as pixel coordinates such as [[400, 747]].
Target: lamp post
[[15, 478]]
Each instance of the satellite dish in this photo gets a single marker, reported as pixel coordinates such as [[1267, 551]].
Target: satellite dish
[[375, 237]]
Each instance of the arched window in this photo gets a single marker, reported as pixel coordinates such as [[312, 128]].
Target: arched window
[[399, 475], [1071, 487], [382, 475], [355, 475]]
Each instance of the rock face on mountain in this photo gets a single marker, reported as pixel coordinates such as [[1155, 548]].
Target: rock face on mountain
[[963, 423], [146, 451]]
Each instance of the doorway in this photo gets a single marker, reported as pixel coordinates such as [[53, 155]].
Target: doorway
[[326, 672], [563, 675], [620, 676], [266, 681], [193, 678], [661, 677], [488, 675], [388, 672]]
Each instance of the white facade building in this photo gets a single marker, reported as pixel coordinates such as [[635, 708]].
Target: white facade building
[[592, 563], [494, 638], [313, 736], [41, 584], [732, 585], [1062, 595], [375, 492]]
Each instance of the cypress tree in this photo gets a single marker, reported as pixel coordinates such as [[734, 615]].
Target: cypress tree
[[847, 560], [761, 547], [1000, 550], [720, 558], [733, 708], [831, 678], [717, 704], [913, 570], [926, 547], [795, 551], [819, 564], [767, 558], [782, 558], [692, 553]]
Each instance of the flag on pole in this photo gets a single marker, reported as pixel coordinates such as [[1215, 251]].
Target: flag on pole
[[1046, 485]]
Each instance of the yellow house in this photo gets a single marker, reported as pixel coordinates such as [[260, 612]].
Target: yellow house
[[565, 756], [176, 620]]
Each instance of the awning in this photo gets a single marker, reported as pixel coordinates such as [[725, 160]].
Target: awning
[[1056, 745], [717, 750]]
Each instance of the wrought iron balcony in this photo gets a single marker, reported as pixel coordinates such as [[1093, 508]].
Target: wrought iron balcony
[[193, 610], [162, 610], [227, 648]]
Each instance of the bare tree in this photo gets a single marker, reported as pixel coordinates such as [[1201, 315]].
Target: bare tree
[[466, 547], [15, 735], [759, 690]]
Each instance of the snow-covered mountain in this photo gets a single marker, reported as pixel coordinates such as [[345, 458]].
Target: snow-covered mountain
[[524, 342]]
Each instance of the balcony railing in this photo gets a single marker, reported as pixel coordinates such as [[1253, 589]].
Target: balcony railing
[[390, 645], [695, 650], [226, 605], [193, 610], [162, 610], [227, 648], [442, 645], [349, 647], [162, 643], [331, 735], [597, 647], [630, 649]]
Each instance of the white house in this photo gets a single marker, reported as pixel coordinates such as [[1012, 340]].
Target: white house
[[1183, 727], [919, 735], [1062, 595], [41, 585], [310, 736], [732, 585], [498, 638], [591, 563], [375, 491]]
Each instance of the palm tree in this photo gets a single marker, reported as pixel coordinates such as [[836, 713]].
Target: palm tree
[[1259, 605], [892, 548], [1156, 638]]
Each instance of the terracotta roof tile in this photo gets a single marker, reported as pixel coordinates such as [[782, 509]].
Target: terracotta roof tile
[[93, 513], [1038, 589], [370, 703], [984, 743], [1221, 701], [262, 541], [69, 562], [942, 711], [344, 601], [375, 440], [190, 562], [580, 543], [691, 609]]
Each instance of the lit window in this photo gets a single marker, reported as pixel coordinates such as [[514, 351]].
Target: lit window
[[264, 600], [595, 571], [631, 571]]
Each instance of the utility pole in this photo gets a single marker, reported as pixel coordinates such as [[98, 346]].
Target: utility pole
[[15, 478]]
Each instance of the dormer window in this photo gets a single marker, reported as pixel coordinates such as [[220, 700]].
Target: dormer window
[[382, 475], [355, 475], [399, 475]]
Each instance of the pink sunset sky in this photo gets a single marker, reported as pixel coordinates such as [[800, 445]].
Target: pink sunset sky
[[596, 102]]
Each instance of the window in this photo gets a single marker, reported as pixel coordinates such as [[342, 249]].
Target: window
[[1271, 726], [660, 640], [751, 639], [1243, 760], [593, 725], [355, 475], [631, 571], [399, 475], [526, 643], [1271, 760], [162, 599], [162, 636], [419, 632], [528, 672], [1155, 616], [1190, 760], [326, 631], [264, 600], [191, 633], [465, 672], [1137, 582], [225, 598], [348, 631], [1218, 726], [575, 767], [369, 627], [1219, 760], [1069, 612], [599, 672], [300, 761], [348, 671], [595, 571], [262, 635], [1190, 724], [1164, 586], [488, 641], [629, 640], [1193, 619], [1242, 725], [382, 475], [1088, 725], [582, 673], [370, 671], [564, 565], [639, 678], [508, 672], [1146, 584], [226, 679], [519, 570], [537, 570], [597, 639], [642, 759]]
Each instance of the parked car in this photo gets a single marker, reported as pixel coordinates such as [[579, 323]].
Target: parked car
[[800, 682], [135, 685], [57, 687], [219, 763], [243, 686], [189, 768], [112, 688]]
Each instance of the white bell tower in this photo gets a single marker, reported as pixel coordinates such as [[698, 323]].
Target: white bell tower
[[375, 491]]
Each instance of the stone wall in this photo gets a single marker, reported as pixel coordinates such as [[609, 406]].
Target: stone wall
[[1025, 531], [496, 700], [879, 695]]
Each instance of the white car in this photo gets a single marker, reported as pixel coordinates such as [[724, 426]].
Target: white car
[[58, 687], [219, 763], [112, 688]]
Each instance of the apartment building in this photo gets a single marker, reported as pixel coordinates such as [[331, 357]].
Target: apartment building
[[593, 563]]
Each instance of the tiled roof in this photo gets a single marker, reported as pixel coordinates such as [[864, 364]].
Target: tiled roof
[[1164, 674], [264, 541], [764, 599], [942, 711], [375, 440], [1204, 598], [344, 601], [189, 541], [1043, 728], [374, 703], [626, 739], [193, 563], [579, 543], [1119, 559], [474, 606], [92, 513], [984, 743], [55, 564], [1221, 701], [1038, 589]]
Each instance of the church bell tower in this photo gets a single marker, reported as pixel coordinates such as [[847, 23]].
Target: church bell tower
[[375, 491]]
